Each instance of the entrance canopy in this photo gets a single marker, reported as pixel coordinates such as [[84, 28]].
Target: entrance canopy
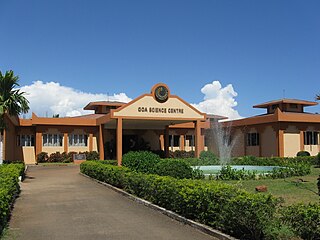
[[157, 110]]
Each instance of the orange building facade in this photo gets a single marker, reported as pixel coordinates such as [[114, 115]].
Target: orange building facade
[[159, 119], [283, 131], [163, 122]]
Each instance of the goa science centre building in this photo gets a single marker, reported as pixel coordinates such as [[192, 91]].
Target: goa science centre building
[[167, 123]]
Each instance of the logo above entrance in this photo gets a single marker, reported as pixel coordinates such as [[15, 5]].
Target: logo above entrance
[[161, 93]]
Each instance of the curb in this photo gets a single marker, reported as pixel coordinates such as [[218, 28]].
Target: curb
[[201, 227]]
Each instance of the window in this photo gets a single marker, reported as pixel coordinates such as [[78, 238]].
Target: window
[[24, 140], [190, 138], [253, 139], [311, 138], [52, 140], [174, 140], [78, 140]]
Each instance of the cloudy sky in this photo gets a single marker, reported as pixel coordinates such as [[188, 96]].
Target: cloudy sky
[[51, 98]]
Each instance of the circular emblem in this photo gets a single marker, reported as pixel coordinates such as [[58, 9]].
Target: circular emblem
[[161, 94]]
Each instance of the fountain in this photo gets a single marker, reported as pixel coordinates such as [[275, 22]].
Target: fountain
[[222, 143]]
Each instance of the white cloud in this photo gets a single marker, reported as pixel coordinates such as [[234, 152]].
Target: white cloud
[[51, 98], [219, 100]]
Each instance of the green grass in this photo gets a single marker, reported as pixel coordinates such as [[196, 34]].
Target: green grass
[[292, 189]]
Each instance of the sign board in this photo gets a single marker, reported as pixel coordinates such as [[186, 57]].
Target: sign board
[[79, 156]]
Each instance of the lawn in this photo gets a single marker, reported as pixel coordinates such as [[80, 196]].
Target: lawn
[[292, 189]]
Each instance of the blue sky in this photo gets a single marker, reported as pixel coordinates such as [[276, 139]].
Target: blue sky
[[265, 49]]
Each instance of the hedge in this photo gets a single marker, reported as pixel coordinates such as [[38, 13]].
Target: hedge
[[273, 161], [9, 187], [216, 204], [303, 219]]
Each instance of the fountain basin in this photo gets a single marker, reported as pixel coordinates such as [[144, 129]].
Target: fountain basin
[[215, 169]]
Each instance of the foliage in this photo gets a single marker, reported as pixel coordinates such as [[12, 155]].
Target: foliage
[[197, 174], [93, 155], [111, 162], [318, 159], [181, 154], [277, 230], [228, 173], [9, 188], [208, 157], [141, 161], [272, 161], [303, 219], [219, 205], [12, 101], [173, 167], [303, 154], [42, 157], [292, 169], [56, 157]]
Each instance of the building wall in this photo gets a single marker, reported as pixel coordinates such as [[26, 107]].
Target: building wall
[[268, 142], [238, 139], [10, 140], [29, 155], [25, 153], [291, 144]]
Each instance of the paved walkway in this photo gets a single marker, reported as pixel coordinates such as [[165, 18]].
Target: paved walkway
[[58, 203]]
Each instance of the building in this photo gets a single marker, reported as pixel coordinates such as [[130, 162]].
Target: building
[[159, 119], [283, 131]]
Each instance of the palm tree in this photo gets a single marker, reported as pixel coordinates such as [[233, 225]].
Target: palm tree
[[12, 101]]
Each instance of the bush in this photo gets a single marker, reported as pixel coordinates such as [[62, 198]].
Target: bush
[[56, 157], [219, 205], [9, 188], [303, 219], [228, 173], [318, 160], [173, 168], [93, 155], [182, 154], [303, 154], [208, 157], [42, 157], [141, 161]]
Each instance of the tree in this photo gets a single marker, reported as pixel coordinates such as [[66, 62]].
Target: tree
[[12, 100]]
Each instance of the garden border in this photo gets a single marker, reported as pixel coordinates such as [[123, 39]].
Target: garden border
[[201, 227]]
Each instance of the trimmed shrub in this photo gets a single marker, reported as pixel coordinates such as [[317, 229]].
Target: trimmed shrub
[[93, 155], [181, 154], [56, 157], [141, 161], [173, 168], [303, 219], [208, 157], [42, 157], [219, 205], [9, 188], [303, 154]]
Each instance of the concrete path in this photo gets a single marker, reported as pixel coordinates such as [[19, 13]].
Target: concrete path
[[58, 203]]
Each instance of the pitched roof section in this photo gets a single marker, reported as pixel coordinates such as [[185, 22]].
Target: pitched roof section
[[146, 107], [285, 100], [93, 105]]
